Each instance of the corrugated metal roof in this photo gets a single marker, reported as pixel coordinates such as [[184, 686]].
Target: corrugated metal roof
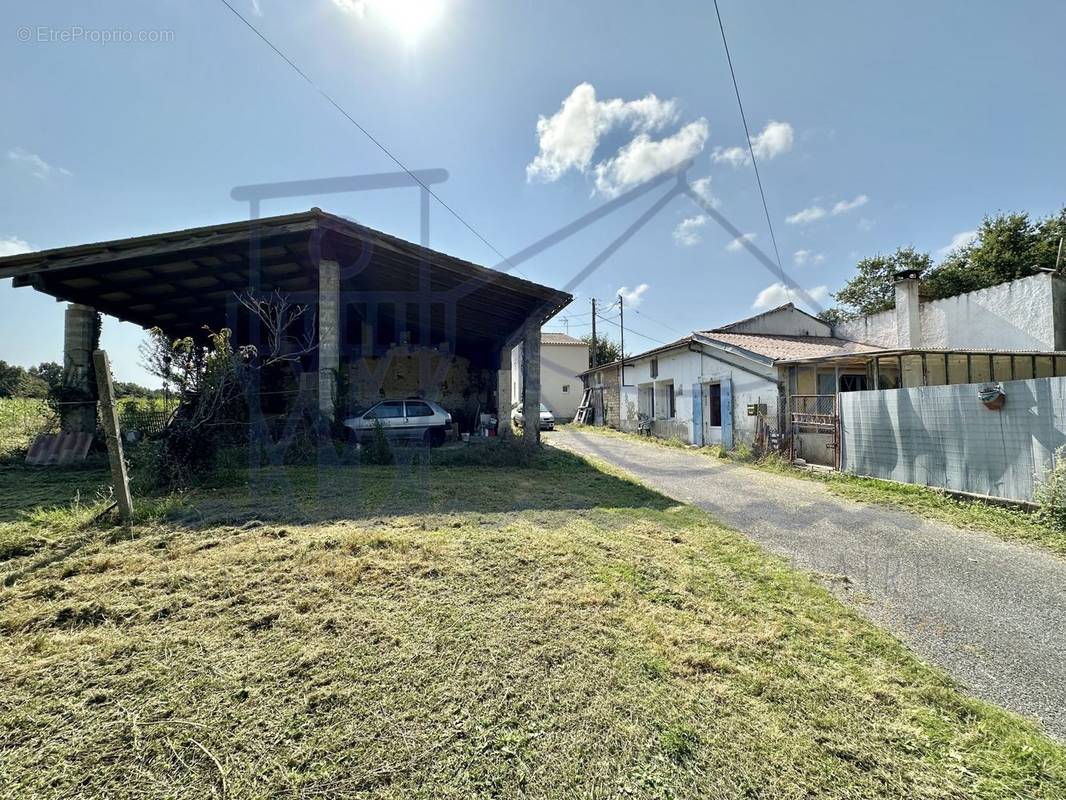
[[787, 347]]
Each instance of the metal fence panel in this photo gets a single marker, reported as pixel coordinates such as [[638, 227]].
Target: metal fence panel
[[943, 436]]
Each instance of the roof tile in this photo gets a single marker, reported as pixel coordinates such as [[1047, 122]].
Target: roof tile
[[780, 347]]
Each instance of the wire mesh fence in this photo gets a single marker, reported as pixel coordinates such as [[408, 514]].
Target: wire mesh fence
[[23, 419]]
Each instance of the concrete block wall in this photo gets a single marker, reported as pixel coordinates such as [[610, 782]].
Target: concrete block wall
[[410, 371]]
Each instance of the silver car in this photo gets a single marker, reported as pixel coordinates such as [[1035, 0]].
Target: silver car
[[547, 419], [407, 420]]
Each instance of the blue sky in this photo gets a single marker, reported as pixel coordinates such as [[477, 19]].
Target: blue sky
[[876, 125]]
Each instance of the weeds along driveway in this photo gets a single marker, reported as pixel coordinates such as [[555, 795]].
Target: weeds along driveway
[[991, 613]]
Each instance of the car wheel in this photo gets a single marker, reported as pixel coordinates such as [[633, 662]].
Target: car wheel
[[436, 438]]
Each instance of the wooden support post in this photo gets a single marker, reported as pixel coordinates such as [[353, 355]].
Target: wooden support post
[[109, 417]]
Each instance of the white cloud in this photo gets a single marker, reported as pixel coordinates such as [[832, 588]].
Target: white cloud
[[644, 158], [34, 164], [957, 241], [258, 9], [737, 244], [12, 246], [777, 294], [803, 257], [702, 187], [844, 206], [734, 156], [806, 216], [774, 140], [568, 139], [687, 232], [633, 297]]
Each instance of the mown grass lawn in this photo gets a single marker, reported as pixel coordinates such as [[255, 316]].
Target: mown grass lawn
[[458, 631]]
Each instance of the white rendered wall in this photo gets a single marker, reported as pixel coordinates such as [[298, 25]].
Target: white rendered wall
[[1019, 315], [686, 368], [560, 365]]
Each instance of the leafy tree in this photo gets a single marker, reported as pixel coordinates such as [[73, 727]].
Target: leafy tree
[[834, 315], [130, 389], [606, 350], [31, 386], [1050, 232], [1007, 247], [871, 290], [10, 375], [1003, 250], [50, 372]]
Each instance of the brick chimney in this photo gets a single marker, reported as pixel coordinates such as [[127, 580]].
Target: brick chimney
[[908, 324]]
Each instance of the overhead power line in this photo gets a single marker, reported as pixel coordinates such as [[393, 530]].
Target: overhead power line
[[377, 142], [747, 135], [658, 322], [614, 321]]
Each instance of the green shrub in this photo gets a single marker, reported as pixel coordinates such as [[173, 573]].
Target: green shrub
[[378, 450], [1050, 492]]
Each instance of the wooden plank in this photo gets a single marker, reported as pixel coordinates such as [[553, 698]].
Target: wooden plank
[[109, 416]]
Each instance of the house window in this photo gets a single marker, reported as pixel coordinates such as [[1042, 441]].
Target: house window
[[714, 410], [566, 388], [655, 368], [672, 406]]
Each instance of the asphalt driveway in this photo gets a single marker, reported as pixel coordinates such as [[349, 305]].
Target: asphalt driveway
[[990, 613]]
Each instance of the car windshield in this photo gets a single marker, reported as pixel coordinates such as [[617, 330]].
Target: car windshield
[[544, 409]]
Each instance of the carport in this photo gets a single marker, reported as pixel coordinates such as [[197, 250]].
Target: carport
[[390, 316]]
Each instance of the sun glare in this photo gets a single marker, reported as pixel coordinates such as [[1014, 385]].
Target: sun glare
[[409, 19]]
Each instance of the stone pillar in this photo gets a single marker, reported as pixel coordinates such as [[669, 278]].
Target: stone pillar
[[79, 341], [503, 392], [329, 343], [531, 384]]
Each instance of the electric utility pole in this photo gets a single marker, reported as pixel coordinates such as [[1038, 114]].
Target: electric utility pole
[[622, 335], [593, 364]]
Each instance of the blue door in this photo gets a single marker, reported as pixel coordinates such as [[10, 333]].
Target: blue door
[[727, 413]]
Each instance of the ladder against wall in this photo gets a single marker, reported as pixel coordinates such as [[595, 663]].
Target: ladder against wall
[[584, 411]]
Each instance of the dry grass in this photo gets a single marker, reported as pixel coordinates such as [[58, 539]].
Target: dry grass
[[554, 631]]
